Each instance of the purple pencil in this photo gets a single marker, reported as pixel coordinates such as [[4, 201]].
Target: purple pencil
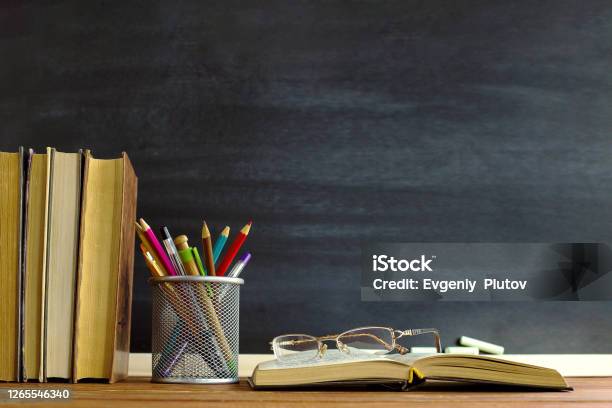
[[239, 266]]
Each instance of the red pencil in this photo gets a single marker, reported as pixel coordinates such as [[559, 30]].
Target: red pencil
[[233, 249]]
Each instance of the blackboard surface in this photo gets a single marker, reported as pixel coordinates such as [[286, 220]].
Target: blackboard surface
[[333, 123]]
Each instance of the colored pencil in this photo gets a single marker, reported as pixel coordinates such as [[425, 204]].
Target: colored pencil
[[236, 271], [198, 260], [182, 244], [208, 251], [147, 245], [220, 243], [172, 252], [151, 264], [239, 266], [233, 249], [165, 261]]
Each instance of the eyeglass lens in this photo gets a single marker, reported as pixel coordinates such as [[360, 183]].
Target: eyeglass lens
[[296, 346], [369, 340]]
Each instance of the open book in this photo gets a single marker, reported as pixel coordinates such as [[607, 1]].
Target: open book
[[410, 369]]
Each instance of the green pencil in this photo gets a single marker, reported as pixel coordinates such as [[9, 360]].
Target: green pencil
[[196, 256]]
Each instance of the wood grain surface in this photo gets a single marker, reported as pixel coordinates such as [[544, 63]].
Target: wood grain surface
[[138, 392]]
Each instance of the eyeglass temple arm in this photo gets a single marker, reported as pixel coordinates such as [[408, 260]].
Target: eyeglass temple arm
[[416, 332], [370, 335]]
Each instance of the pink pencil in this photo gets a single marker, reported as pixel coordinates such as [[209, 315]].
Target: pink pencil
[[157, 247]]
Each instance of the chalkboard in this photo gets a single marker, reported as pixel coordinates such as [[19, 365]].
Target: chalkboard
[[334, 123]]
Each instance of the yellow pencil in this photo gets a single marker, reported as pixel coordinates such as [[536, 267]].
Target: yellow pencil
[[150, 261], [145, 242]]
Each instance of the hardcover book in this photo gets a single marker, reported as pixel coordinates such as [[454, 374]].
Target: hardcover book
[[35, 230], [106, 263], [404, 371], [11, 212], [64, 202]]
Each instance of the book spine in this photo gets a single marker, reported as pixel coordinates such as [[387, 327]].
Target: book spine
[[79, 277], [123, 308]]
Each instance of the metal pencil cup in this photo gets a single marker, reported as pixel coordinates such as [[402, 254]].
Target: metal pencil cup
[[195, 329]]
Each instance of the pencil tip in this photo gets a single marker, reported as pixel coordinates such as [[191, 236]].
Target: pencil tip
[[144, 224], [205, 230]]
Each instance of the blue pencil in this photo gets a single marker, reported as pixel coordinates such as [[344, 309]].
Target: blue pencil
[[220, 243]]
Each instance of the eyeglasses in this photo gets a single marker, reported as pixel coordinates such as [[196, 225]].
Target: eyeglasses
[[363, 340]]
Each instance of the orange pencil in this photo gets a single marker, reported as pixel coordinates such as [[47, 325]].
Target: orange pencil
[[231, 252]]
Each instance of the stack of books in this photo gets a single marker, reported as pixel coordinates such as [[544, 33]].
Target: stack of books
[[66, 265]]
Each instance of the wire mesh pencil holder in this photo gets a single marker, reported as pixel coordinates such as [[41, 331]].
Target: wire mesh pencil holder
[[195, 329]]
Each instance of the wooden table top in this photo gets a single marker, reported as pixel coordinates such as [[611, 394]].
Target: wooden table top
[[139, 392]]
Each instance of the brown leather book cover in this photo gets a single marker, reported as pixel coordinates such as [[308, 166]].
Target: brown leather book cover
[[106, 264]]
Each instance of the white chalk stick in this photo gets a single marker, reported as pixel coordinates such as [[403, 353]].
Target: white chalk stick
[[461, 350], [483, 346], [423, 350]]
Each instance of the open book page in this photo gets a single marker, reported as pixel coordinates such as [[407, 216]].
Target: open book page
[[409, 358], [332, 357]]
